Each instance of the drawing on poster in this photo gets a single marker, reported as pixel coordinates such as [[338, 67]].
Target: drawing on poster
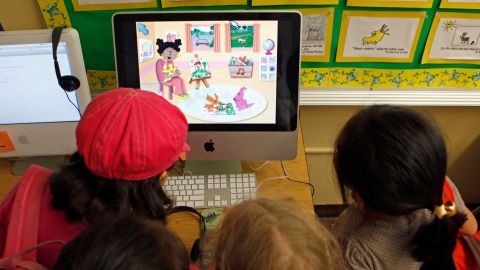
[[455, 39], [376, 36], [383, 37], [449, 25], [314, 27], [466, 35]]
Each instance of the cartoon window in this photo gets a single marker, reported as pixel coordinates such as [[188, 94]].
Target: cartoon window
[[241, 37], [203, 37]]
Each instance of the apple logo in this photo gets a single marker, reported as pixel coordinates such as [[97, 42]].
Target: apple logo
[[209, 146]]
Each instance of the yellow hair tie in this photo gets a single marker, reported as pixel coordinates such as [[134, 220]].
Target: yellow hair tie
[[447, 209]]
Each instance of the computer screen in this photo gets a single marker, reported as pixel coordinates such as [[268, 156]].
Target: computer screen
[[233, 74], [37, 115]]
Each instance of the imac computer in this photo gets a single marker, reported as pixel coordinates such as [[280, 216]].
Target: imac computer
[[234, 74], [37, 116]]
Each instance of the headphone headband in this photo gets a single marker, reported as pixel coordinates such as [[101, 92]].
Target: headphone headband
[[196, 248]]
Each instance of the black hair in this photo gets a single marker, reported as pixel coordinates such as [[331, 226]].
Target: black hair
[[163, 45], [124, 244], [396, 160], [90, 198]]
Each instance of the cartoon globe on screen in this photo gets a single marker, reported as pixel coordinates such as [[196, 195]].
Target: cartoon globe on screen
[[268, 45]]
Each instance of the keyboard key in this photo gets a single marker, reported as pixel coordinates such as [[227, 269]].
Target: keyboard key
[[176, 193], [189, 192], [217, 185], [183, 192], [196, 198], [191, 204], [210, 203], [198, 181], [217, 203], [199, 203], [194, 186], [181, 187], [191, 182], [188, 187], [210, 186], [233, 191], [224, 203], [201, 186], [223, 185], [217, 197], [199, 192]]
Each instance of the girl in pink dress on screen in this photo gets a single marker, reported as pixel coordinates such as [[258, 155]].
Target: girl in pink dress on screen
[[167, 73]]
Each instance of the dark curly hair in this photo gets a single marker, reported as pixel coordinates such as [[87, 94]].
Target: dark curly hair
[[86, 197], [163, 45]]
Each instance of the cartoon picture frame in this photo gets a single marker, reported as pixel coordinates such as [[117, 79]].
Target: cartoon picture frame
[[201, 3], [340, 57], [329, 13], [391, 3], [108, 5], [463, 4], [293, 2], [450, 16], [203, 37]]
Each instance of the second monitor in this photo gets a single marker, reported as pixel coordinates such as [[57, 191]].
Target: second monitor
[[233, 74]]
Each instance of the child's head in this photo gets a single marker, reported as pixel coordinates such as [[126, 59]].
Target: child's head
[[394, 160], [274, 234], [124, 244], [127, 139], [169, 50]]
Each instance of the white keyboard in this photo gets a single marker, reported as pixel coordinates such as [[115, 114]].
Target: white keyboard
[[211, 191]]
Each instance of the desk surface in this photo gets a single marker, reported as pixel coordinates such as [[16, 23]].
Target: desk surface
[[186, 225]]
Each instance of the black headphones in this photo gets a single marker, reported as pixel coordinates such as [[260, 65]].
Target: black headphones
[[68, 83], [196, 247]]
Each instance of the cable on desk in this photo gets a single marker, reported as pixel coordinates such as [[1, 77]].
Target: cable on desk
[[312, 188], [269, 179], [259, 167]]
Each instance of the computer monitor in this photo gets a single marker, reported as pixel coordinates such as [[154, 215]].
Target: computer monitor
[[234, 74], [37, 115]]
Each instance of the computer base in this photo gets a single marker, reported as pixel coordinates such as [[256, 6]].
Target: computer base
[[202, 167], [50, 162]]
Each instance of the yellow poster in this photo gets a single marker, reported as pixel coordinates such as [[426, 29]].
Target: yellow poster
[[379, 36], [453, 38], [293, 2], [467, 4], [391, 3], [317, 24], [201, 3], [85, 5]]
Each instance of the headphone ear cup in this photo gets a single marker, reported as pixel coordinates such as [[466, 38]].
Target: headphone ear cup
[[195, 252], [69, 83]]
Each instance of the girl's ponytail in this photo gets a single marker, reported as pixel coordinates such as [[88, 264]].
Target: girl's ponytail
[[434, 243]]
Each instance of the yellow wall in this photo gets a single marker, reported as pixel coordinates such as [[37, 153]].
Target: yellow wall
[[20, 15], [460, 125]]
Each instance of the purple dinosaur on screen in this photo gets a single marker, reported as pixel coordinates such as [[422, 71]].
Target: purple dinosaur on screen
[[240, 101]]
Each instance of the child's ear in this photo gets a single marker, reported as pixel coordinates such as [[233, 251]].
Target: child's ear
[[163, 178]]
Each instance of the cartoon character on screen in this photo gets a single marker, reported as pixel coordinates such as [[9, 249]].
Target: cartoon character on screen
[[240, 101], [167, 73]]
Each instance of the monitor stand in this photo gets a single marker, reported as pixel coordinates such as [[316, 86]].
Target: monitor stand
[[202, 167], [50, 162]]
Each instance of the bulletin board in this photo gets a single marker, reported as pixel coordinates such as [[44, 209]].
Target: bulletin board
[[326, 65]]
